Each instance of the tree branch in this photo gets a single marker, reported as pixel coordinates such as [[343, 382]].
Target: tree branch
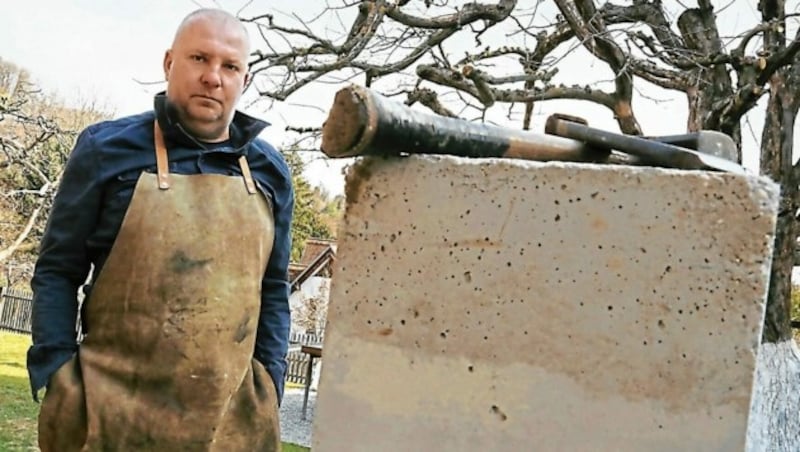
[[757, 72], [428, 98], [20, 159], [24, 233], [651, 14], [457, 80], [471, 12], [589, 27]]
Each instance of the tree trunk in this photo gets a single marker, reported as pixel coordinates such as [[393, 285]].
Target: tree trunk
[[699, 32], [776, 162], [774, 423]]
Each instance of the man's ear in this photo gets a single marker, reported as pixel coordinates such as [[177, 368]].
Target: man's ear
[[167, 63], [247, 78]]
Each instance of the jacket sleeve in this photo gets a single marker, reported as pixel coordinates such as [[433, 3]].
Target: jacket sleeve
[[63, 264], [272, 336]]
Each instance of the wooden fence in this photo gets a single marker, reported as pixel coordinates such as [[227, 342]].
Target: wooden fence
[[297, 360], [15, 316], [15, 310]]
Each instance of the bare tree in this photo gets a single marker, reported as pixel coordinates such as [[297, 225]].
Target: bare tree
[[503, 57], [36, 135]]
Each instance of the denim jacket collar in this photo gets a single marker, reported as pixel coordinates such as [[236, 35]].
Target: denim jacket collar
[[243, 129]]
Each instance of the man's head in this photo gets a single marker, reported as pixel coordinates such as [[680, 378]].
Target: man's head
[[206, 70]]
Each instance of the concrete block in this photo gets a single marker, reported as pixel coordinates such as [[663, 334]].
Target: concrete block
[[511, 305]]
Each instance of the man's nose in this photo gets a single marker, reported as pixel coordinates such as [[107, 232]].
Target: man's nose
[[211, 77]]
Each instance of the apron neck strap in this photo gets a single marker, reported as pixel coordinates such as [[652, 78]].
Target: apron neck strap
[[161, 158], [162, 164], [248, 178]]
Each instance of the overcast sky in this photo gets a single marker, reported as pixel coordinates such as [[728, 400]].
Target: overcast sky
[[105, 50]]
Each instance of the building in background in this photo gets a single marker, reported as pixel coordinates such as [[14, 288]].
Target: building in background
[[310, 283]]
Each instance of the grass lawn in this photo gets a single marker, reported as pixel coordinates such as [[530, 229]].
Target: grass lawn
[[17, 410]]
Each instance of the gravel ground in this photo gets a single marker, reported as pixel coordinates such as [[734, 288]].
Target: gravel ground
[[293, 428]]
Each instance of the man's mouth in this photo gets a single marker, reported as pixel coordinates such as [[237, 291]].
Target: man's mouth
[[208, 98]]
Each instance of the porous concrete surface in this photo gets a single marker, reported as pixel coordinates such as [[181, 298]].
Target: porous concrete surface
[[510, 305]]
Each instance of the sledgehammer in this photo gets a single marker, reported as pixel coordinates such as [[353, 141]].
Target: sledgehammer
[[361, 122]]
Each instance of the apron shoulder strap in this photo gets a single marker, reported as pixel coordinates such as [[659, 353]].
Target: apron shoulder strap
[[162, 164], [161, 158], [248, 178]]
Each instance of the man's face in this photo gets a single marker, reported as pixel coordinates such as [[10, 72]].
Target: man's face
[[206, 70]]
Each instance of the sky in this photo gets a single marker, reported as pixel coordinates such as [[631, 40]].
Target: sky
[[111, 52]]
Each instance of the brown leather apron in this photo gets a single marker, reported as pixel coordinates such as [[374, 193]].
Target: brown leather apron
[[166, 363]]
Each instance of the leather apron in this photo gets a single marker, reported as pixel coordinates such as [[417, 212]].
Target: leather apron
[[166, 362]]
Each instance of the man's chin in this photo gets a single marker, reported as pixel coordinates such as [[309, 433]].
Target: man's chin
[[210, 131], [203, 114]]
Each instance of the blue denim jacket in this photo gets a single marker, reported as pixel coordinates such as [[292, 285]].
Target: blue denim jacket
[[92, 198]]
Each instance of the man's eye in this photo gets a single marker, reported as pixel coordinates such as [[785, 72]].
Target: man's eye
[[198, 58], [232, 67]]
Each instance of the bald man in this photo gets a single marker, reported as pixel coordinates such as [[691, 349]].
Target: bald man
[[181, 215]]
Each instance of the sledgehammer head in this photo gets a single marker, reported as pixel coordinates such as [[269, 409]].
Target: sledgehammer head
[[709, 142]]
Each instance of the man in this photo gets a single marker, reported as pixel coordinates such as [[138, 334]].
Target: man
[[184, 217]]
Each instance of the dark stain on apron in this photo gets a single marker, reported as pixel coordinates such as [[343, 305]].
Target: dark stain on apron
[[181, 263]]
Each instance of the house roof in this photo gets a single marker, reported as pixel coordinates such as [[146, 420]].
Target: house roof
[[294, 270], [315, 247], [317, 256]]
